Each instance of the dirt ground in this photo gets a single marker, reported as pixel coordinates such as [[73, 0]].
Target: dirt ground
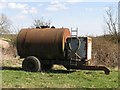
[[7, 52]]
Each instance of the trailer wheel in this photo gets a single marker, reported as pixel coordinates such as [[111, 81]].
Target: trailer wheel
[[46, 67], [31, 64]]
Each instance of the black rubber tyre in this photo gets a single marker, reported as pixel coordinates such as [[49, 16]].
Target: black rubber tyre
[[46, 67], [31, 64]]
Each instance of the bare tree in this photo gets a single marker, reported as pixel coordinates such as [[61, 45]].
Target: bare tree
[[111, 23], [41, 23], [4, 24]]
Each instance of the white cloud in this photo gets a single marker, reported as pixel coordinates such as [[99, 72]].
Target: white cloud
[[74, 1], [3, 4], [31, 10], [2, 0], [89, 9], [25, 11], [96, 9], [106, 8], [20, 17], [40, 4], [56, 5], [17, 5], [25, 8]]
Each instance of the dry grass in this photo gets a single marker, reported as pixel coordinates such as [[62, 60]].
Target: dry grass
[[105, 52]]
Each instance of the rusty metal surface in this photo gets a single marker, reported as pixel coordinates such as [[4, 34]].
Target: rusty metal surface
[[48, 43], [20, 42]]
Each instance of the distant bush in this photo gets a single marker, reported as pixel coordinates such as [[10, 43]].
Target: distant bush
[[105, 51]]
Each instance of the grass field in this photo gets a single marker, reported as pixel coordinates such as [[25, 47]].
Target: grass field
[[59, 79], [14, 77]]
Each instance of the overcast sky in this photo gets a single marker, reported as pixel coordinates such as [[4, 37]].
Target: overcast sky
[[87, 16]]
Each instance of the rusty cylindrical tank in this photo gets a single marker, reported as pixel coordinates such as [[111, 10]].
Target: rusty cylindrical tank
[[47, 43]]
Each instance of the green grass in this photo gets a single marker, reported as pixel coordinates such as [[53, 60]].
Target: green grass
[[58, 79], [14, 77]]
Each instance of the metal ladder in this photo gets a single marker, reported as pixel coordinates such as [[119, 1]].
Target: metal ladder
[[74, 33]]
